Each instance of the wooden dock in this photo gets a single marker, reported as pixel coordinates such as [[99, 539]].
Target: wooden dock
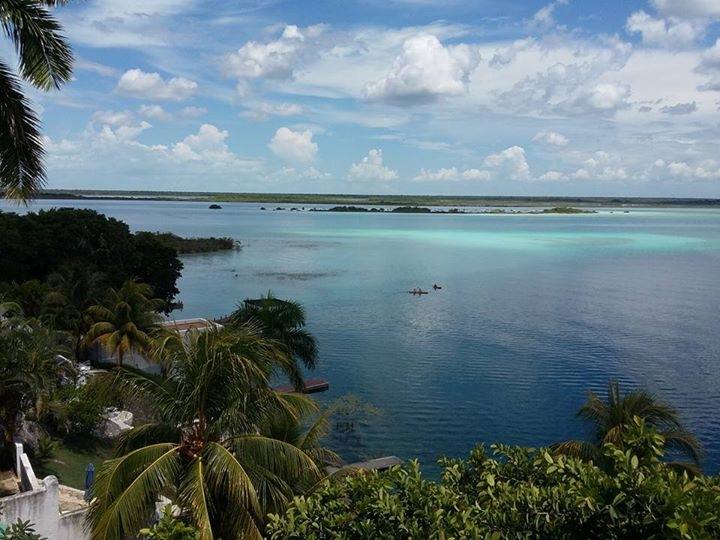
[[312, 386]]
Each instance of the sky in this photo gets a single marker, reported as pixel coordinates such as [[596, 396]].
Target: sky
[[483, 97]]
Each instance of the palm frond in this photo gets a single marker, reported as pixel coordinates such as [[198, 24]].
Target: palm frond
[[145, 435], [44, 53], [278, 457], [578, 449], [193, 497], [228, 480], [126, 489], [22, 173], [685, 442]]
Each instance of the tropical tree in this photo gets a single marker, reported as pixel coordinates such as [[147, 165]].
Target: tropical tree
[[612, 417], [73, 289], [45, 61], [282, 321], [205, 451], [125, 322], [31, 372]]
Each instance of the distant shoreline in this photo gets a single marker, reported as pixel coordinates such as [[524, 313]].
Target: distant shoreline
[[388, 200]]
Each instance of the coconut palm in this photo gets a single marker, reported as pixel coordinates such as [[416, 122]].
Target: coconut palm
[[612, 417], [283, 321], [45, 61], [125, 322], [205, 452], [74, 289]]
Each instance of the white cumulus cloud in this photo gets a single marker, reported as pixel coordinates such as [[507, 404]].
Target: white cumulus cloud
[[140, 84], [671, 33], [424, 71], [551, 137], [511, 162], [552, 176], [294, 146], [208, 144], [688, 8], [272, 60], [608, 96], [451, 174], [371, 167]]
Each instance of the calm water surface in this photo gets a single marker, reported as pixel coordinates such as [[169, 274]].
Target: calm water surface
[[534, 311]]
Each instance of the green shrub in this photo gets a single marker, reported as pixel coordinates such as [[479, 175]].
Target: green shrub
[[170, 528], [86, 405], [21, 530], [46, 451], [515, 493]]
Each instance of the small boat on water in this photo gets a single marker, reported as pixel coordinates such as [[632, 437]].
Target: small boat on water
[[417, 292]]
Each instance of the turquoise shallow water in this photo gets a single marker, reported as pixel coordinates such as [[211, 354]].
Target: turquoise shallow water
[[534, 311]]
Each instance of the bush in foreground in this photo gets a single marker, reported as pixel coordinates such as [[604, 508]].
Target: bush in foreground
[[516, 493]]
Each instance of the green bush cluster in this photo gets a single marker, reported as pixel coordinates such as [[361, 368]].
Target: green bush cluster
[[516, 493], [86, 405]]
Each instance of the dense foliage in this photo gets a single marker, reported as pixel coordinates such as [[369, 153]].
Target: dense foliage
[[31, 375], [516, 493], [36, 245]]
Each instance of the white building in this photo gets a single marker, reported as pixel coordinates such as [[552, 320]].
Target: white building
[[140, 361]]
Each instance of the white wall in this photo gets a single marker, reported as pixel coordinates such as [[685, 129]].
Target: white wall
[[42, 507]]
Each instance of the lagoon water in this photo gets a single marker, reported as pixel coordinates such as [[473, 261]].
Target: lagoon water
[[534, 311]]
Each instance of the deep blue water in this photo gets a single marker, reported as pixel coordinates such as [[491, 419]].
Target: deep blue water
[[534, 311]]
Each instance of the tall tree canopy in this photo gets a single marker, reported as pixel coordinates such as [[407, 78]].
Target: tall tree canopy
[[35, 245]]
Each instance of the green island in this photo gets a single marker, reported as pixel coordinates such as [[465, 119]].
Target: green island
[[425, 210], [196, 245]]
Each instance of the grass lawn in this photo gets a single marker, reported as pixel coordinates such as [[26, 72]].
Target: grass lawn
[[73, 457]]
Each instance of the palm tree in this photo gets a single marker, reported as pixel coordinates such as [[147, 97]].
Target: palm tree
[[126, 320], [74, 289], [31, 370], [205, 451], [283, 321], [611, 418], [45, 61]]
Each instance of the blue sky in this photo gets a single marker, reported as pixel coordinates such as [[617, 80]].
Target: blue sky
[[571, 97]]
